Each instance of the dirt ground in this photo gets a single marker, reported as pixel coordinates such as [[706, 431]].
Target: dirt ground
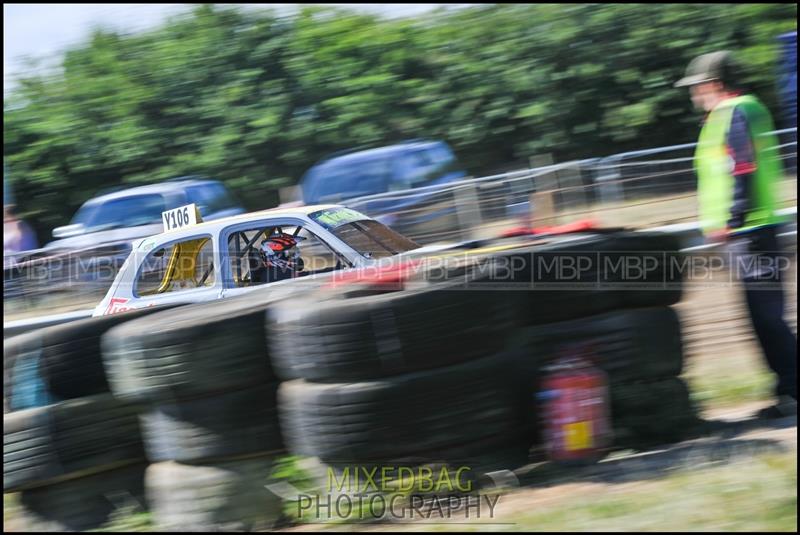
[[741, 472]]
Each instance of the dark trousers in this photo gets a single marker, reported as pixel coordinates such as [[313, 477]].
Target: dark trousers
[[759, 264]]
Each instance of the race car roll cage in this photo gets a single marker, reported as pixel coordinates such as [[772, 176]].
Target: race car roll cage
[[267, 231], [191, 249], [238, 255]]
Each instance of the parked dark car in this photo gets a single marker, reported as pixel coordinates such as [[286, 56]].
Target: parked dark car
[[412, 165]]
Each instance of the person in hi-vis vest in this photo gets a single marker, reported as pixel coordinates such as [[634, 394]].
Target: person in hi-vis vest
[[739, 171]]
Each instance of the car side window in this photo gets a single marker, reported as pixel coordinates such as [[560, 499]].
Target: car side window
[[332, 186], [440, 155], [247, 264], [180, 266], [372, 176], [414, 168]]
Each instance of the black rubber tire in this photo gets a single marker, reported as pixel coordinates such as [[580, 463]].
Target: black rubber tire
[[220, 425], [422, 413], [221, 496], [68, 440], [333, 336], [629, 345], [649, 413], [662, 280], [84, 503], [191, 351], [529, 276], [67, 357]]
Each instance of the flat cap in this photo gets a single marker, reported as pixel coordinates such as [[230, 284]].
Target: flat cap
[[708, 67]]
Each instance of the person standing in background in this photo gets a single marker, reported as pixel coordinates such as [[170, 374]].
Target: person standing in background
[[18, 236], [739, 173]]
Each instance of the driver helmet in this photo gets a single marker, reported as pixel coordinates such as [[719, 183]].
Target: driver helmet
[[280, 251]]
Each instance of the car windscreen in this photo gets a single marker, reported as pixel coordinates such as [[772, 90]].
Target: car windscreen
[[123, 212], [211, 198], [366, 236]]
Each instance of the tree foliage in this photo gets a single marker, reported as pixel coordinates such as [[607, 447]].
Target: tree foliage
[[255, 99]]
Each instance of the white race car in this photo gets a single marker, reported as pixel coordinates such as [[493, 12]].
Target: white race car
[[193, 261]]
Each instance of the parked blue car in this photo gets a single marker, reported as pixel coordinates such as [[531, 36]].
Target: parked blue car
[[412, 165]]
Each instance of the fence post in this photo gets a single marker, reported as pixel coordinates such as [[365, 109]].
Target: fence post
[[468, 210], [543, 207], [290, 194], [519, 191], [569, 177], [610, 172], [546, 181]]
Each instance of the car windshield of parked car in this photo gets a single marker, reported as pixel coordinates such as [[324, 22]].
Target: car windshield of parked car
[[211, 198], [336, 180], [366, 236], [120, 213]]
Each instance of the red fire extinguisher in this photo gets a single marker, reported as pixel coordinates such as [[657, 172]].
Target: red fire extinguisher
[[574, 404]]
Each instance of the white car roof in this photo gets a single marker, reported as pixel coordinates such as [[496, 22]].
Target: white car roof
[[210, 227]]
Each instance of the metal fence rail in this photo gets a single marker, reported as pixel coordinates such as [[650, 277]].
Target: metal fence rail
[[662, 178], [638, 189]]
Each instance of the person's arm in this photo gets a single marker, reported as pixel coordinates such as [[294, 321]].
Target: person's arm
[[743, 163], [12, 238]]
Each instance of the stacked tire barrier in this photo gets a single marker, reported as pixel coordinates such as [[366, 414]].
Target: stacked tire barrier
[[398, 378], [207, 394], [185, 409], [633, 332], [575, 276], [71, 449], [355, 360]]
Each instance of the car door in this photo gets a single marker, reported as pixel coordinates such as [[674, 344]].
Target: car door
[[181, 271]]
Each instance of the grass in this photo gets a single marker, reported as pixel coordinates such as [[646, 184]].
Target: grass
[[733, 375], [126, 522], [723, 384], [10, 509], [754, 494]]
